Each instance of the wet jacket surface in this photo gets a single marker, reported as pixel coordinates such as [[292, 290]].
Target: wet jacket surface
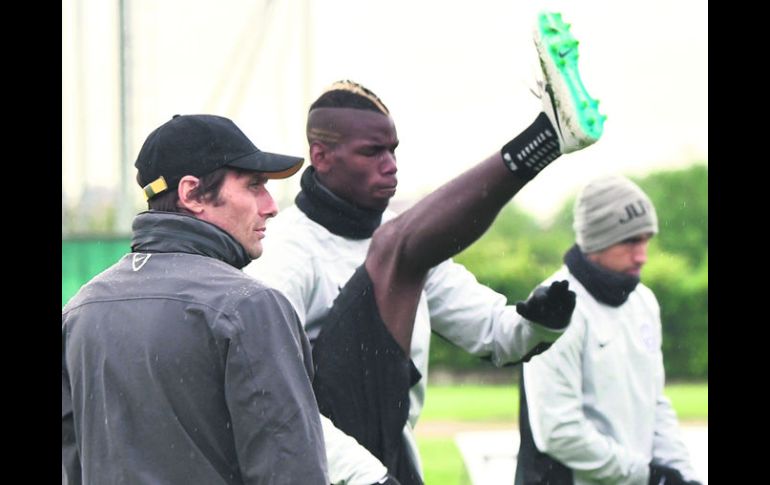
[[179, 368]]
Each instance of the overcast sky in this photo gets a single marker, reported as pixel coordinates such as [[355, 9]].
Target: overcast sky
[[455, 76]]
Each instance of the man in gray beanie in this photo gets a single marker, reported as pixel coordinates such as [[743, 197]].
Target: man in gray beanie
[[592, 407]]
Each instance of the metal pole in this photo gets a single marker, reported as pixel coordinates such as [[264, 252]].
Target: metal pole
[[124, 206], [81, 152], [307, 58]]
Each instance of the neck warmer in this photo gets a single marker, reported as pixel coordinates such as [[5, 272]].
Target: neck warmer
[[609, 287], [175, 232], [336, 215]]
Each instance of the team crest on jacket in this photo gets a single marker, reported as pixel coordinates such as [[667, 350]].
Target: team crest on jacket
[[649, 338]]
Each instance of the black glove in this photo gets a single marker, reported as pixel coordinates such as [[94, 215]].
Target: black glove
[[664, 475], [550, 306], [388, 480]]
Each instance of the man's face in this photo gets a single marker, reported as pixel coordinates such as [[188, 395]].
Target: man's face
[[242, 209], [362, 165], [627, 256]]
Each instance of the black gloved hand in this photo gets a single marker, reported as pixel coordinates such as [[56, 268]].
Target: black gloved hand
[[550, 306], [664, 475], [388, 480]]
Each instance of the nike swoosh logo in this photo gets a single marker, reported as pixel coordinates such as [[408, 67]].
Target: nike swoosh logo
[[549, 90], [562, 54], [139, 260]]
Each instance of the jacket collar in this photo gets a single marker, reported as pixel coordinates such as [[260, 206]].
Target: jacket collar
[[173, 232]]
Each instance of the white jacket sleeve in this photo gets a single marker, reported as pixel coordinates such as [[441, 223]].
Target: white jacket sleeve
[[477, 319], [553, 383], [668, 447], [352, 463]]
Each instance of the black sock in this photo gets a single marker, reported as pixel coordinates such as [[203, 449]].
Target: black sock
[[533, 149]]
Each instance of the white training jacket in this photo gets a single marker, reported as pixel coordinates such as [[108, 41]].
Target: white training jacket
[[595, 398], [310, 265]]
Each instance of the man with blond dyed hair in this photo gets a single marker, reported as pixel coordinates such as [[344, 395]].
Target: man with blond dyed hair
[[370, 286]]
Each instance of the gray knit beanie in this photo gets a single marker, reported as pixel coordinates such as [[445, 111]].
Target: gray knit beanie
[[610, 209]]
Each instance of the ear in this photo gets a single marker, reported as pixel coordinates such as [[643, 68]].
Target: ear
[[320, 157], [187, 184]]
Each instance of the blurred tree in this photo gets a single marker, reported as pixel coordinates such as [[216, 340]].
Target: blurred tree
[[681, 201], [682, 292]]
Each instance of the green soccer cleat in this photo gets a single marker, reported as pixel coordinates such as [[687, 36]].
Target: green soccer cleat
[[569, 107]]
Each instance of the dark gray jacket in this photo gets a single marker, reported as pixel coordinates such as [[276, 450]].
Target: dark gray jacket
[[177, 368]]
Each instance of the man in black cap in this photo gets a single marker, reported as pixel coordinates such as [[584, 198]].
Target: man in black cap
[[176, 366]]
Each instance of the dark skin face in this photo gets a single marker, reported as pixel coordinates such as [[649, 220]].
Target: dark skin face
[[354, 154]]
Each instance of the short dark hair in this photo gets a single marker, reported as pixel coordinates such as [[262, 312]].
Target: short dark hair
[[208, 190], [349, 94]]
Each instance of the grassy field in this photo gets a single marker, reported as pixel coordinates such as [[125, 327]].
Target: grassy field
[[469, 405]]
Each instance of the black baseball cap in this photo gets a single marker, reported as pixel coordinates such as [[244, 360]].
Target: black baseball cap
[[199, 144]]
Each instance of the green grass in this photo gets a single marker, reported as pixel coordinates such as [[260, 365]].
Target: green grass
[[441, 460], [471, 403], [501, 402], [691, 401]]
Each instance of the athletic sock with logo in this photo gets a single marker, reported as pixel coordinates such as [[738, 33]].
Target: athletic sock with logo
[[533, 149]]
